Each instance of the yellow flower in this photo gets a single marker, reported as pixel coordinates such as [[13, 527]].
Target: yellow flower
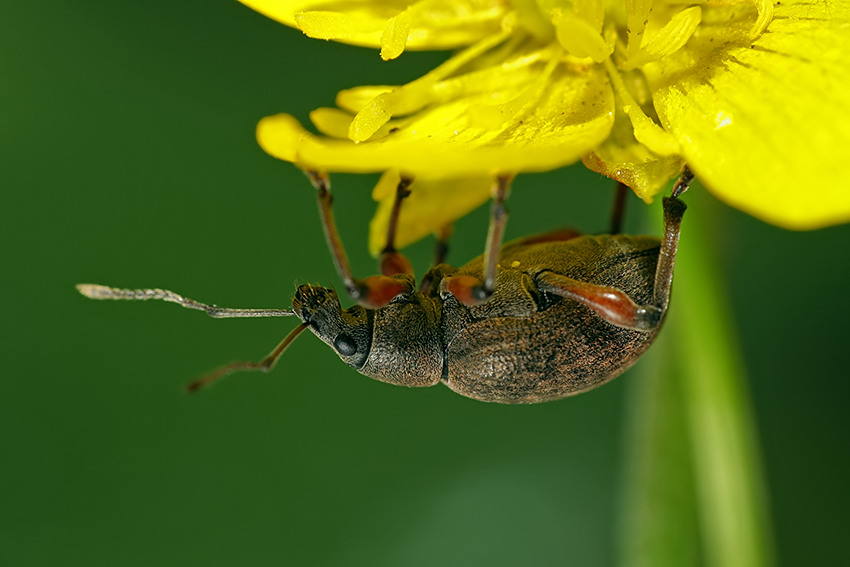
[[753, 94]]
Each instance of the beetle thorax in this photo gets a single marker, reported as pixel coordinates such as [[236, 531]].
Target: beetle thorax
[[406, 346], [399, 343]]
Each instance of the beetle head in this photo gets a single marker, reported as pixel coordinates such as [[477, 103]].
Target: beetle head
[[348, 332]]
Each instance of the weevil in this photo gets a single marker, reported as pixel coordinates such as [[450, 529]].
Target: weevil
[[537, 319]]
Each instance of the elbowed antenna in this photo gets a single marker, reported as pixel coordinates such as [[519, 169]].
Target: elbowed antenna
[[264, 365], [95, 291]]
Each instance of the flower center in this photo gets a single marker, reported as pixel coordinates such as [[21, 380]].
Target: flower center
[[635, 32]]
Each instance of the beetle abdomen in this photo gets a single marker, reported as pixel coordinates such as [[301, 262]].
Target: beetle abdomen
[[558, 352], [561, 348]]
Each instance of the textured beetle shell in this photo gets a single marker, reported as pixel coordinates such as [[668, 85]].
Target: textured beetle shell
[[524, 346], [406, 346]]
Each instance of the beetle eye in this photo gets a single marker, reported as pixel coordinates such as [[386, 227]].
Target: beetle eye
[[345, 345]]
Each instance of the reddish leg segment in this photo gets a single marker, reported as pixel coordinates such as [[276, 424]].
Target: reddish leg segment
[[614, 305], [610, 303], [470, 290], [375, 291]]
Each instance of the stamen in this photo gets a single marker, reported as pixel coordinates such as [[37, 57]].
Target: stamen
[[646, 130], [637, 16], [394, 38], [416, 94], [580, 39], [765, 16], [493, 117], [668, 40], [591, 11], [325, 24]]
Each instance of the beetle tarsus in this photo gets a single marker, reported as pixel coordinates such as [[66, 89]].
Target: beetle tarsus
[[684, 181], [648, 318]]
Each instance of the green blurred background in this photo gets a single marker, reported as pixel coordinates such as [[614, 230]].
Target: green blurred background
[[129, 159]]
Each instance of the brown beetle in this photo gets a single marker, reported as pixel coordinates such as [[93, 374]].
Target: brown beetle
[[538, 319]]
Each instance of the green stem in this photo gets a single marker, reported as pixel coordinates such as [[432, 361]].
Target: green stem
[[692, 400]]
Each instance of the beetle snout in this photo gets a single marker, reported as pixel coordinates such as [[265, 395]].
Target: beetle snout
[[309, 300], [312, 296]]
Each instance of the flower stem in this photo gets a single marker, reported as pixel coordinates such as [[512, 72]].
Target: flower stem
[[694, 492]]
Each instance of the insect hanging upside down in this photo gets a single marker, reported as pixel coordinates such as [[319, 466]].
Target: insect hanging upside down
[[537, 319]]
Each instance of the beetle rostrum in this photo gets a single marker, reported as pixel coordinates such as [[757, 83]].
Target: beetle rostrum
[[537, 319]]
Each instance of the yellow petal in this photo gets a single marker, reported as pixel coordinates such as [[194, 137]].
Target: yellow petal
[[766, 125], [623, 158], [430, 206], [436, 24], [646, 175], [567, 119]]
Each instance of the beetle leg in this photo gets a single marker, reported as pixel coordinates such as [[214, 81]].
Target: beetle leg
[[619, 208], [614, 305], [392, 261], [674, 210], [498, 220], [469, 290], [684, 181], [374, 291], [440, 251]]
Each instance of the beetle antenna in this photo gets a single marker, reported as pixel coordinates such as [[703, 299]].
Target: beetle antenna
[[94, 291], [264, 365]]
